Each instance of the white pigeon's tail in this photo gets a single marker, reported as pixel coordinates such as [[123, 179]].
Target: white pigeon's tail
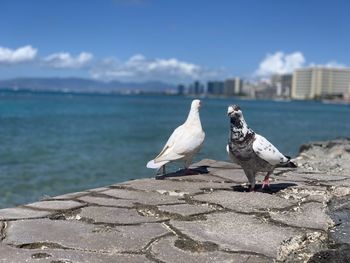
[[151, 164]]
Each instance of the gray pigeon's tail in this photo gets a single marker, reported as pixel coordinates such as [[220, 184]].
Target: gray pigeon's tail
[[288, 164]]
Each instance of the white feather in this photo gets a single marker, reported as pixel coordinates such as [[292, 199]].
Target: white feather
[[184, 142], [266, 151], [151, 164]]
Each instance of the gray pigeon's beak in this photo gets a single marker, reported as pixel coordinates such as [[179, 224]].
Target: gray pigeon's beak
[[230, 110]]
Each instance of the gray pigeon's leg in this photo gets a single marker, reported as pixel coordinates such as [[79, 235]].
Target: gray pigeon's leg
[[266, 181], [251, 178]]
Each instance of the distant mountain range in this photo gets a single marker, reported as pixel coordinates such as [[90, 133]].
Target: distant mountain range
[[85, 85]]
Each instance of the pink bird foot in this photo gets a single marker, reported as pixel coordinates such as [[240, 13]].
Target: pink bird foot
[[266, 182]]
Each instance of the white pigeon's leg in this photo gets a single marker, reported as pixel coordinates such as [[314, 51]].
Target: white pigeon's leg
[[266, 181], [251, 178], [159, 174], [187, 164]]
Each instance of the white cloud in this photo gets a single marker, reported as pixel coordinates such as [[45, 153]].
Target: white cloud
[[138, 67], [66, 60], [280, 63], [19, 55], [331, 64]]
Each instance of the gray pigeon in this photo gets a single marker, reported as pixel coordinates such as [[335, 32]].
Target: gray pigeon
[[252, 151]]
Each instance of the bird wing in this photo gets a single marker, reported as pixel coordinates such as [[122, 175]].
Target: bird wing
[[184, 141], [168, 153], [266, 151]]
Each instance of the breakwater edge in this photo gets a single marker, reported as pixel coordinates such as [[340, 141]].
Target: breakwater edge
[[207, 217]]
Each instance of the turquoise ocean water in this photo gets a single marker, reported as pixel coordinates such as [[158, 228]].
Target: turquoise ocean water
[[52, 144]]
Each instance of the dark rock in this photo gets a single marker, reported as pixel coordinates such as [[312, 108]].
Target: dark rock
[[331, 256]]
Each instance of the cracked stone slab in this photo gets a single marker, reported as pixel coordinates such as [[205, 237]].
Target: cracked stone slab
[[105, 201], [308, 215], [340, 191], [306, 193], [196, 178], [345, 183], [232, 175], [300, 249], [166, 251], [324, 177], [68, 196], [15, 255], [189, 188], [297, 176], [225, 165], [204, 162], [21, 213], [186, 209], [339, 210], [113, 215], [99, 189], [81, 236], [244, 201], [56, 205], [237, 232], [2, 227], [143, 197]]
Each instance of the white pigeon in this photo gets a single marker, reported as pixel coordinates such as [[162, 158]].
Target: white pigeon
[[252, 151], [184, 142]]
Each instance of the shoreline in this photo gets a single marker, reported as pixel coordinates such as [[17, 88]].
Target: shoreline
[[334, 101]]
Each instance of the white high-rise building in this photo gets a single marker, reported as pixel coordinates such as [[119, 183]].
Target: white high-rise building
[[233, 86], [310, 83], [282, 83]]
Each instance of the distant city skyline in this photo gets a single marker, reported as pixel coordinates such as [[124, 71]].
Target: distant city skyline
[[171, 41]]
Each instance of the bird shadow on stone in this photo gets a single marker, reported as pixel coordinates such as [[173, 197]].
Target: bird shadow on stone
[[272, 189], [184, 172]]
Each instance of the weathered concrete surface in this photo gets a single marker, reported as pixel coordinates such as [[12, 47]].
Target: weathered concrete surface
[[187, 209], [21, 213], [56, 205], [10, 254], [167, 251], [204, 217], [114, 215], [76, 235], [330, 157], [309, 215], [245, 203], [238, 232]]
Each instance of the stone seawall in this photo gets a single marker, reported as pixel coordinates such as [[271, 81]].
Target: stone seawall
[[206, 217]]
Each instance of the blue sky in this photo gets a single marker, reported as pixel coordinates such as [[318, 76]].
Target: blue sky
[[175, 41]]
